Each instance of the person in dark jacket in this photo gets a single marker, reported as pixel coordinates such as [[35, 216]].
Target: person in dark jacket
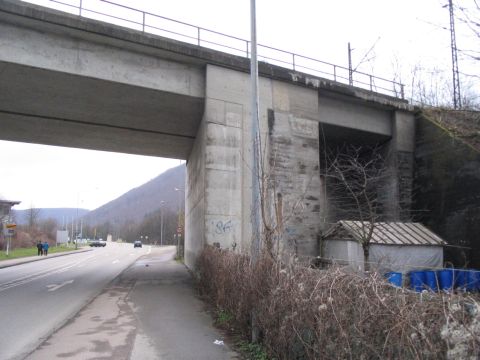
[[40, 248], [45, 248]]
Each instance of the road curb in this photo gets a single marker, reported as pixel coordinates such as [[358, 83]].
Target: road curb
[[20, 261]]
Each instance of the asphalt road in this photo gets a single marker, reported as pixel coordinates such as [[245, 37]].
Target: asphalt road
[[150, 312], [38, 298]]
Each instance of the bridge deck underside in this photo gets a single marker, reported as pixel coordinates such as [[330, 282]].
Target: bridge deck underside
[[333, 135], [56, 108]]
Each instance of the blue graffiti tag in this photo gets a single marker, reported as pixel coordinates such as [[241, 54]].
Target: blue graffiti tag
[[223, 228]]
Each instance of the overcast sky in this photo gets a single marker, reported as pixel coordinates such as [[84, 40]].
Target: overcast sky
[[409, 32]]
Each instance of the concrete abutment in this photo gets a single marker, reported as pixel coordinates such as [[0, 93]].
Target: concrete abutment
[[295, 122]]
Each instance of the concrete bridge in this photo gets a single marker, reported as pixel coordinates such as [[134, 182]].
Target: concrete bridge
[[76, 82]]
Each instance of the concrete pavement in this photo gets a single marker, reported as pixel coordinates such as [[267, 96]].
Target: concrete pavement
[[149, 312]]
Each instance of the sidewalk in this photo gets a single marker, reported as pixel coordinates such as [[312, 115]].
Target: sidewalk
[[149, 312], [27, 259]]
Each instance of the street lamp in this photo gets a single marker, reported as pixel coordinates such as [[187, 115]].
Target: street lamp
[[179, 229], [161, 222]]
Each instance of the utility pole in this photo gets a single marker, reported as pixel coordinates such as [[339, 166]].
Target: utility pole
[[350, 68], [72, 231], [180, 250], [161, 222], [255, 158], [457, 101], [255, 135]]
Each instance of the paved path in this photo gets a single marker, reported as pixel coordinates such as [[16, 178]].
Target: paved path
[[38, 297], [150, 312]]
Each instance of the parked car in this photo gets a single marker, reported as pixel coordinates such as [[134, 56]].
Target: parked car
[[98, 243], [137, 243]]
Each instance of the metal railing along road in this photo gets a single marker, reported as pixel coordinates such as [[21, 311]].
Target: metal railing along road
[[144, 21]]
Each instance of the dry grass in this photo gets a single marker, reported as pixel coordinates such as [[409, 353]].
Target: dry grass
[[305, 313]]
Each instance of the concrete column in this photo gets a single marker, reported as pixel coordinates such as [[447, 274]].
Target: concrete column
[[195, 199], [294, 160], [215, 170], [223, 173], [401, 153]]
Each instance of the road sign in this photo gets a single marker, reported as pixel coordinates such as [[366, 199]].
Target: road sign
[[9, 231], [179, 230], [11, 226]]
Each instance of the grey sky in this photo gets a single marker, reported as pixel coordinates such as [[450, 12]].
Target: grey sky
[[405, 33]]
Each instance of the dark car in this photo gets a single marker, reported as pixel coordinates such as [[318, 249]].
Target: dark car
[[137, 243], [98, 243]]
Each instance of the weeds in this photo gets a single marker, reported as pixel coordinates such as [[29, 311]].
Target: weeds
[[253, 351], [223, 318], [305, 313]]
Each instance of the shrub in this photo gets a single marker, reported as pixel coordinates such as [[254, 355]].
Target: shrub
[[305, 313]]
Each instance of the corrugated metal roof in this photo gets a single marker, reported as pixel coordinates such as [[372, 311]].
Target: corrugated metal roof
[[391, 233]]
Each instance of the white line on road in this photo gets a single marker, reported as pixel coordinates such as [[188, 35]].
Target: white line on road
[[54, 287], [149, 250], [29, 278], [115, 261]]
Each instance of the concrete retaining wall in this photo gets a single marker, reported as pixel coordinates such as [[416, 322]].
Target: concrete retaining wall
[[447, 195]]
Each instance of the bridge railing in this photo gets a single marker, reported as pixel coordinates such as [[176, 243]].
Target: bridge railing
[[147, 22]]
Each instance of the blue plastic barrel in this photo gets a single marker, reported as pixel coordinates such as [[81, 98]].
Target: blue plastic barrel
[[395, 278], [460, 279], [476, 275], [446, 279], [417, 280], [431, 280], [472, 280]]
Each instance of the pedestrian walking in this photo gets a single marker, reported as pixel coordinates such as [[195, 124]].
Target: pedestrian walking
[[45, 248], [40, 248]]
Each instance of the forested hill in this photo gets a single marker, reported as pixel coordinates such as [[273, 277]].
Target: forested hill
[[138, 202]]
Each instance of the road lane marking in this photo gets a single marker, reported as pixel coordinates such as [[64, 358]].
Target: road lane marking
[[149, 250], [29, 278], [115, 261], [54, 287]]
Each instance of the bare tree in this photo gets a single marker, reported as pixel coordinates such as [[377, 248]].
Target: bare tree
[[470, 16], [33, 216], [49, 227], [355, 177]]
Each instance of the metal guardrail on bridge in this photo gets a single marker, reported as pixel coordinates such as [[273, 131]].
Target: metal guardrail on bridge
[[126, 16]]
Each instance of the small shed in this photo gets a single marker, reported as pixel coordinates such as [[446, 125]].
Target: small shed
[[394, 246]]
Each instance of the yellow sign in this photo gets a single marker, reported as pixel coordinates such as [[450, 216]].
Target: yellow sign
[[11, 226]]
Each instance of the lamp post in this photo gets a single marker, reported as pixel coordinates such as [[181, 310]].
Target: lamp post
[[179, 228], [161, 222]]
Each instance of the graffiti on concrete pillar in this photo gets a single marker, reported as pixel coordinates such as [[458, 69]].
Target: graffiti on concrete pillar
[[221, 227]]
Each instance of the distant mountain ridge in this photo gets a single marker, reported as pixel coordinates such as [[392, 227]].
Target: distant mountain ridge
[[147, 198], [60, 215], [129, 207]]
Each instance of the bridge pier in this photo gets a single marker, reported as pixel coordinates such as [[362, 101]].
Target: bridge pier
[[295, 121]]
